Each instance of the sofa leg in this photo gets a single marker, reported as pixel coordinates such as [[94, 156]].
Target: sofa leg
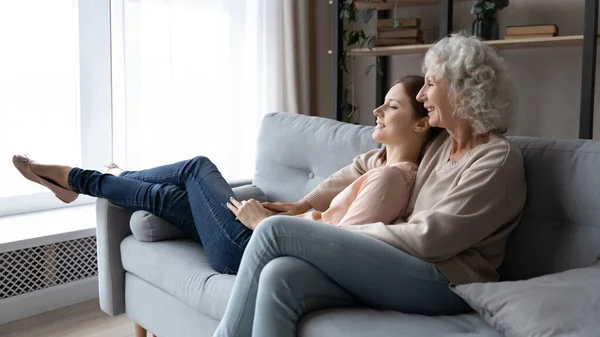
[[139, 331]]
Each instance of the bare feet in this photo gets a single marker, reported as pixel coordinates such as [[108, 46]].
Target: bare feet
[[113, 169]]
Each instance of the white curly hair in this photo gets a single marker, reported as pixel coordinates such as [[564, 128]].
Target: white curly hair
[[479, 88]]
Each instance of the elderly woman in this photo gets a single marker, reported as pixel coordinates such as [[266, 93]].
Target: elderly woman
[[468, 196]]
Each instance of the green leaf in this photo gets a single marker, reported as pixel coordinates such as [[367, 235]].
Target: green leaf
[[369, 68], [350, 112], [343, 62], [352, 16], [368, 14], [353, 38], [371, 43], [396, 23]]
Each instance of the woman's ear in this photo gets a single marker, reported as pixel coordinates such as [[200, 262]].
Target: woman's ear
[[422, 125]]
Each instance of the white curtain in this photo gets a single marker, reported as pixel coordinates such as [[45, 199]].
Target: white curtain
[[196, 77], [288, 51]]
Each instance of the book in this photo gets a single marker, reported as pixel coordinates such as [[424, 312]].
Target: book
[[414, 33], [532, 30], [528, 36], [398, 42], [388, 24]]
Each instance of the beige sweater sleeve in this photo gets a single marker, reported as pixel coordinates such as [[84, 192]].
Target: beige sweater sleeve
[[483, 201], [320, 197]]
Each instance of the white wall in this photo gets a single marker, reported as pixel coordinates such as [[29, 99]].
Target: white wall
[[547, 81]]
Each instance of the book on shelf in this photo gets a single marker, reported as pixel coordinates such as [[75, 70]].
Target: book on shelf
[[381, 42], [388, 24], [405, 33], [528, 36], [532, 30]]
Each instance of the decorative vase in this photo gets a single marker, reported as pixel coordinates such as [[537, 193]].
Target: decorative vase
[[485, 26]]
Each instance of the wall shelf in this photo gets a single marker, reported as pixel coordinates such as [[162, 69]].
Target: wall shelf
[[380, 6], [588, 41], [558, 41]]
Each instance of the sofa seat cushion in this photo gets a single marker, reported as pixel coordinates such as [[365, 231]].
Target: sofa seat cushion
[[180, 268], [358, 322]]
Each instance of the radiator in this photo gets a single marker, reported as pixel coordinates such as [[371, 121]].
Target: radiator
[[36, 268]]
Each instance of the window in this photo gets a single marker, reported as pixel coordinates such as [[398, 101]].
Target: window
[[141, 83], [185, 81], [45, 96]]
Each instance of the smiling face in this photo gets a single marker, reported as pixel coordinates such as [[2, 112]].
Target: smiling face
[[435, 95], [397, 123]]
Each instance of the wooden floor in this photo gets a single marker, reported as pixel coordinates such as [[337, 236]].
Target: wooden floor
[[81, 320]]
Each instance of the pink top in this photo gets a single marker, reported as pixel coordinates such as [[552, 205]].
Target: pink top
[[379, 195]]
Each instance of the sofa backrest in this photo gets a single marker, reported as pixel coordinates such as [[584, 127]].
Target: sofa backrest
[[560, 227], [297, 152]]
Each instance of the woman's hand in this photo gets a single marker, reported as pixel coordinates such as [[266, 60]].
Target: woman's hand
[[250, 212], [281, 208]]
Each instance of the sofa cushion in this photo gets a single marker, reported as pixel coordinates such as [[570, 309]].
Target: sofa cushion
[[359, 322], [296, 152], [560, 227], [180, 268], [560, 304], [147, 227]]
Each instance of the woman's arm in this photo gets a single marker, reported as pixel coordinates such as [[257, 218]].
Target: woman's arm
[[382, 197], [285, 208], [482, 203]]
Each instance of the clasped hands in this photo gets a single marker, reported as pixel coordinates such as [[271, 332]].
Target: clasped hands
[[251, 212]]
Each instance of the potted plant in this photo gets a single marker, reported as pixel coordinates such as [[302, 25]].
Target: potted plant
[[485, 25]]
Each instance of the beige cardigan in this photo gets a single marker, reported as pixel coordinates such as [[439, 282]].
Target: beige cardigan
[[460, 212]]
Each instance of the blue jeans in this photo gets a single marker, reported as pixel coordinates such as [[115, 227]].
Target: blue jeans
[[191, 195], [295, 266]]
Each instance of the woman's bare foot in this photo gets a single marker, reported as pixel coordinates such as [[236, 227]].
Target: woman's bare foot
[[113, 169]]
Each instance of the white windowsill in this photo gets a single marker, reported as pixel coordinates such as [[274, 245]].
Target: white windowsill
[[46, 227]]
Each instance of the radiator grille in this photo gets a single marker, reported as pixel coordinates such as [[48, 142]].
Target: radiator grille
[[30, 269]]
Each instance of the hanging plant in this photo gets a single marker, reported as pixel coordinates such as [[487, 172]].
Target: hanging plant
[[487, 6], [354, 38]]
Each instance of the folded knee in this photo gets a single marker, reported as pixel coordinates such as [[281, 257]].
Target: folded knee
[[201, 161], [278, 224], [280, 270], [199, 164]]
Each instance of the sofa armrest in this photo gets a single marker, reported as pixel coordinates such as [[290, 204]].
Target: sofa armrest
[[246, 192], [238, 183], [112, 228]]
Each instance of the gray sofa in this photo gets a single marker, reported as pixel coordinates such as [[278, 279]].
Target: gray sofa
[[168, 287]]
